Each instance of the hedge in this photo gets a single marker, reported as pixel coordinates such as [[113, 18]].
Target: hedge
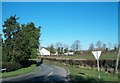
[[10, 66], [107, 65]]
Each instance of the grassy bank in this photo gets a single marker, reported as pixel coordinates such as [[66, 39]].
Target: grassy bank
[[19, 71], [86, 74]]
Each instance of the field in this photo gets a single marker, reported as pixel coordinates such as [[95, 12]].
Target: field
[[112, 56]]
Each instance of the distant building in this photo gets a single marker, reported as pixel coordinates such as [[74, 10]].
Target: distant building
[[43, 51], [69, 53], [55, 53]]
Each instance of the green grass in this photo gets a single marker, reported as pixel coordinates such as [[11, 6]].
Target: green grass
[[88, 56], [86, 74], [19, 71], [91, 73]]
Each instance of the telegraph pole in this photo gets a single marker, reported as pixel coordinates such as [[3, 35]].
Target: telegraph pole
[[117, 61]]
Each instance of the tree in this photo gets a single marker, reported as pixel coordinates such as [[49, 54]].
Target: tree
[[76, 45], [58, 44], [51, 49], [10, 29], [21, 41], [98, 44], [59, 51], [65, 50], [91, 47], [115, 47], [73, 47], [109, 45], [103, 46]]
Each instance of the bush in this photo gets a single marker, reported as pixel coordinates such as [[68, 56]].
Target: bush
[[10, 66], [27, 63]]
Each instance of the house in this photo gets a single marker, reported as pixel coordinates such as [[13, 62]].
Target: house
[[43, 51]]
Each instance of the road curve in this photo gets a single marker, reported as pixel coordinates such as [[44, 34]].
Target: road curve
[[44, 73]]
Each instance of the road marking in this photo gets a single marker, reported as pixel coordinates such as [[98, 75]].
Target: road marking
[[51, 68], [49, 74]]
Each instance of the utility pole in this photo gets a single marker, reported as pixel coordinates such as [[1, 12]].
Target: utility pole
[[117, 61]]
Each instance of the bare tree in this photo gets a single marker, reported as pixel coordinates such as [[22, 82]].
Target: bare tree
[[109, 45], [91, 47], [73, 47], [104, 46], [65, 46], [76, 45], [98, 44], [58, 44], [115, 47]]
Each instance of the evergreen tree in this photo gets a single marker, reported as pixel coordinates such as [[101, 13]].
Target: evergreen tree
[[59, 51], [65, 50], [21, 41], [51, 49], [10, 29]]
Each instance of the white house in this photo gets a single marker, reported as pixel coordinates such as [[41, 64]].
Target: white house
[[43, 51]]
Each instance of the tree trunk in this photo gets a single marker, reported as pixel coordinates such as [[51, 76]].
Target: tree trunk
[[117, 61]]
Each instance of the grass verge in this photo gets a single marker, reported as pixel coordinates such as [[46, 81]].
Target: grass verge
[[86, 74], [19, 71]]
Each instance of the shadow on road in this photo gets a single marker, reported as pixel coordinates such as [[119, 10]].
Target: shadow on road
[[42, 79], [39, 63]]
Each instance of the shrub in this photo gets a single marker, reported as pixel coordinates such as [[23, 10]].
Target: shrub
[[10, 66], [27, 63]]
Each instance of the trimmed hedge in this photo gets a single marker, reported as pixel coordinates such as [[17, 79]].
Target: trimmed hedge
[[10, 66], [107, 65]]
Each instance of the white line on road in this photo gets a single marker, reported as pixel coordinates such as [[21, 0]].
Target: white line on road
[[49, 74], [51, 68]]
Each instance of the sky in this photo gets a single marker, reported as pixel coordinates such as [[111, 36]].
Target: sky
[[66, 22]]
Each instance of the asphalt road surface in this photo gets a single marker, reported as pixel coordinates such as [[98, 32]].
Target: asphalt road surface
[[45, 73]]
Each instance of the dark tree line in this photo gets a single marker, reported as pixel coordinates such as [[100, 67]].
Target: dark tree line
[[21, 40]]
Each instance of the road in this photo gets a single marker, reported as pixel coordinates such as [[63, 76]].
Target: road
[[44, 73]]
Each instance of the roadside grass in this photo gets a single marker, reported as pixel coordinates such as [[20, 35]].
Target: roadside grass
[[19, 71], [107, 56], [85, 73]]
